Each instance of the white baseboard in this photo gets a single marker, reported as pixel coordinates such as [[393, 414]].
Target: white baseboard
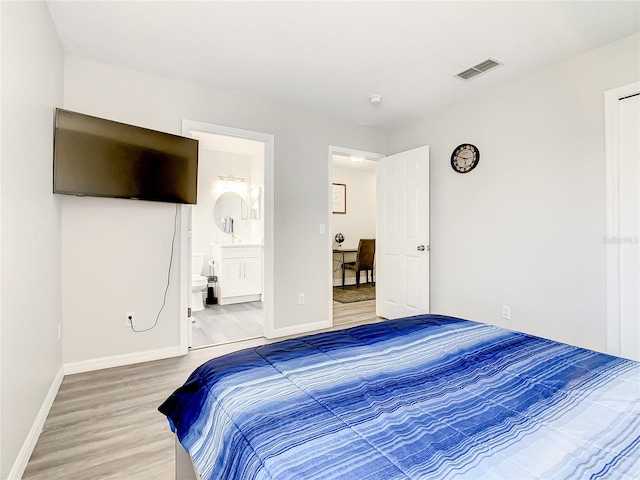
[[29, 444], [241, 299], [307, 327], [120, 360]]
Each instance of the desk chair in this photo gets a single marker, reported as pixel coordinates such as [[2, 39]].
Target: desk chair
[[364, 260]]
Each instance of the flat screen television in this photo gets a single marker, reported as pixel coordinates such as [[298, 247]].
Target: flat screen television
[[101, 158]]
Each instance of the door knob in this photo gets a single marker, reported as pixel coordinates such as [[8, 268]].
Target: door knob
[[421, 248]]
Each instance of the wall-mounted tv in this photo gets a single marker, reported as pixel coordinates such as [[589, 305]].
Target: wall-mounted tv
[[101, 158]]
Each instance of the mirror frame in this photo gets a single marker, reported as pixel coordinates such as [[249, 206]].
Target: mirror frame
[[239, 222], [256, 203]]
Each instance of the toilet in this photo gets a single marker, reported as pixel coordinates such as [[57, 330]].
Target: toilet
[[198, 282]]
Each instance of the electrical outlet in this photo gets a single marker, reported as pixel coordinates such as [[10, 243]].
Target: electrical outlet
[[130, 320], [300, 298], [506, 312]]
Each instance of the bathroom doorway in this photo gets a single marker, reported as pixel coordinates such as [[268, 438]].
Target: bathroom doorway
[[229, 251]]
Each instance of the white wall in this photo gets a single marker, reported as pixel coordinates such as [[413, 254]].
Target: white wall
[[301, 182], [31, 361], [525, 228], [114, 262], [360, 219]]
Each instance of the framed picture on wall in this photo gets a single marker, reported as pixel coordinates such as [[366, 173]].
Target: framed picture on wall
[[339, 198]]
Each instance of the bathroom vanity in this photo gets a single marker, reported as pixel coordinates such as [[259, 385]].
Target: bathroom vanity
[[239, 272]]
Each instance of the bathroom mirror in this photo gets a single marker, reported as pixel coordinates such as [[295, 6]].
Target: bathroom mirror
[[230, 212], [255, 202]]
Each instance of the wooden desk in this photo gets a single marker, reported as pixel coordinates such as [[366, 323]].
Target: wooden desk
[[339, 262]]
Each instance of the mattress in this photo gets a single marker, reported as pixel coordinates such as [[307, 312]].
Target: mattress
[[425, 397]]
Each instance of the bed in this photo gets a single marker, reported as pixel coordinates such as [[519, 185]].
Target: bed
[[425, 397]]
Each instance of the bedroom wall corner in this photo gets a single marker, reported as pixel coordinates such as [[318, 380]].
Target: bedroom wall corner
[[526, 227], [30, 312]]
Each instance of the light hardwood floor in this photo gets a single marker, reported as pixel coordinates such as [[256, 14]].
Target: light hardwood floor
[[105, 424], [218, 324]]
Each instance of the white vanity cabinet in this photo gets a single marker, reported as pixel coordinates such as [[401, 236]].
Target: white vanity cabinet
[[239, 271]]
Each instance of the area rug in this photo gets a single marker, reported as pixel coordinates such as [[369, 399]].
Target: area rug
[[352, 294]]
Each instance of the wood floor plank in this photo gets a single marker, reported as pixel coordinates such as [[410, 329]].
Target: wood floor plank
[[105, 424], [218, 324]]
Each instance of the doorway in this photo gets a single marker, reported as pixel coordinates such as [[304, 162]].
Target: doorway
[[227, 237], [353, 217], [402, 231]]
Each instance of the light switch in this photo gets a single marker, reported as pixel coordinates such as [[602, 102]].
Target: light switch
[[322, 229]]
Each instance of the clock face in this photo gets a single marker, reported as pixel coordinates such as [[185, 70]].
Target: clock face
[[465, 158]]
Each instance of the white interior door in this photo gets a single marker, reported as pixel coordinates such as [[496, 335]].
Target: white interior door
[[629, 150], [622, 153], [402, 248]]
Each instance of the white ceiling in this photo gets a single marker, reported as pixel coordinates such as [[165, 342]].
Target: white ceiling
[[344, 161], [330, 57]]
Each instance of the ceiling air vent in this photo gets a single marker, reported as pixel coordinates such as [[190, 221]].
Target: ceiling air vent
[[478, 69]]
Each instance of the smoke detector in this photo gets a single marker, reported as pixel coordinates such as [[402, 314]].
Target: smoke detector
[[375, 99]]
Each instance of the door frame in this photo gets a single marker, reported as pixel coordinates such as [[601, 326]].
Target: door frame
[[612, 161], [189, 126], [336, 150]]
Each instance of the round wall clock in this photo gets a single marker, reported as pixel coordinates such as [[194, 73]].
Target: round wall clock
[[465, 158]]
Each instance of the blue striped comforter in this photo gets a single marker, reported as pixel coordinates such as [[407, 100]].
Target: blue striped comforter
[[427, 397]]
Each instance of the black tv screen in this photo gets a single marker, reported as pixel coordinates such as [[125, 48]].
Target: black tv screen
[[102, 158]]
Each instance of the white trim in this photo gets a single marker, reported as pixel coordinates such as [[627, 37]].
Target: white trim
[[304, 328], [335, 150], [29, 444], [612, 162], [185, 275], [350, 152], [121, 360], [1, 250], [189, 126], [239, 299]]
